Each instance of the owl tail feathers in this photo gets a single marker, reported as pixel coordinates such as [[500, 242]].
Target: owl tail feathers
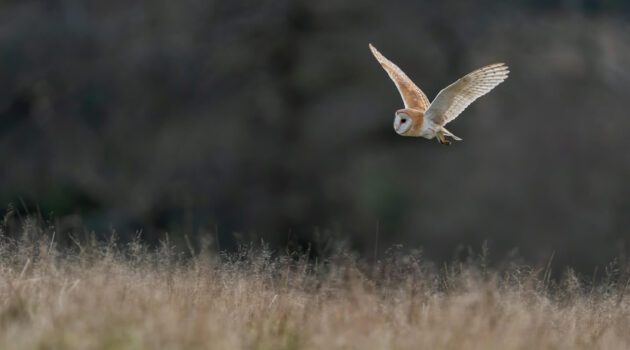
[[448, 133]]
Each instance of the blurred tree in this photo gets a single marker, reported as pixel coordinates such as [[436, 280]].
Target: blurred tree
[[270, 117]]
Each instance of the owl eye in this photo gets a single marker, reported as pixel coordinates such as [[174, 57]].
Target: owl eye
[[403, 120]]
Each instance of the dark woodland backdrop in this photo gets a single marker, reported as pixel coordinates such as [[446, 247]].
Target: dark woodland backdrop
[[271, 119]]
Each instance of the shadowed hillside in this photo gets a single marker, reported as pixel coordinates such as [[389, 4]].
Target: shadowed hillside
[[271, 119]]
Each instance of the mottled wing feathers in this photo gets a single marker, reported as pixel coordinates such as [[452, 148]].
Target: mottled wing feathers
[[412, 96], [454, 99]]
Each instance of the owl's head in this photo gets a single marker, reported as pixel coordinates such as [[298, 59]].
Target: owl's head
[[408, 121]]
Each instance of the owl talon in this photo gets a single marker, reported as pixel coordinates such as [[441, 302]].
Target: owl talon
[[443, 140]]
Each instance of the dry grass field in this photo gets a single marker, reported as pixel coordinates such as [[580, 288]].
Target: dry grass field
[[126, 296]]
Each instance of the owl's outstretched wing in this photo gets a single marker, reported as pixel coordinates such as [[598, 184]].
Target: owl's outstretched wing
[[453, 99], [412, 96]]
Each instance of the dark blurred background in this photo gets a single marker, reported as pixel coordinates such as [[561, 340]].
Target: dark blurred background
[[271, 119]]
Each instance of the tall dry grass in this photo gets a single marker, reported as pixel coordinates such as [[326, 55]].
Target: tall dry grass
[[109, 295]]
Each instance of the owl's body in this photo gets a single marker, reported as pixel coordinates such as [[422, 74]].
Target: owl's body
[[420, 118]]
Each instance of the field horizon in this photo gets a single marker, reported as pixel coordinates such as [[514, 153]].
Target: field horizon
[[107, 294]]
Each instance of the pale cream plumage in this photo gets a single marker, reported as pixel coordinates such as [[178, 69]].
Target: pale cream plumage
[[420, 118]]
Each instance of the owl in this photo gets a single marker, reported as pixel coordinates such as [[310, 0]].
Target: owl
[[421, 118]]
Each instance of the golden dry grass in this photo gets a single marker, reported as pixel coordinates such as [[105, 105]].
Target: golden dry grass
[[112, 296]]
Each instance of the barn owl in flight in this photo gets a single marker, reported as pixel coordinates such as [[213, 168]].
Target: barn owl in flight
[[421, 118]]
